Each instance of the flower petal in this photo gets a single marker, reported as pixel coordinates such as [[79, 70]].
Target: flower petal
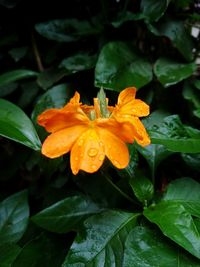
[[140, 133], [115, 149], [124, 130], [47, 115], [57, 119], [126, 95], [135, 107], [87, 153], [60, 142]]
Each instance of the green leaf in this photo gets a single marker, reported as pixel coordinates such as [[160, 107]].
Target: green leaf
[[176, 32], [176, 223], [180, 190], [78, 62], [15, 125], [102, 241], [129, 171], [7, 89], [18, 53], [14, 214], [147, 248], [8, 253], [191, 94], [153, 10], [66, 215], [170, 72], [66, 30], [56, 97], [196, 83], [125, 17], [16, 75], [183, 3], [192, 160], [49, 77], [154, 155], [119, 66], [142, 188], [176, 136], [45, 250]]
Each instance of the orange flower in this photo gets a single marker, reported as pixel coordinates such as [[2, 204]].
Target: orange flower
[[93, 132]]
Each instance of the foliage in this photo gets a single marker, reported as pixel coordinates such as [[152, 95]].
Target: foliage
[[145, 215]]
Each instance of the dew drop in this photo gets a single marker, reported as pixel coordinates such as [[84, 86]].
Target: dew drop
[[80, 143], [101, 143], [92, 152], [101, 157], [94, 167]]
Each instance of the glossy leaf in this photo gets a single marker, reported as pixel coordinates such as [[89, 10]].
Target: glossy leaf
[[129, 171], [154, 155], [119, 66], [147, 248], [44, 250], [55, 97], [191, 94], [176, 32], [175, 136], [15, 125], [15, 75], [125, 17], [154, 9], [102, 241], [186, 191], [176, 223], [18, 53], [14, 214], [170, 72], [78, 62], [192, 160], [8, 253], [49, 77], [66, 30], [66, 215], [7, 89], [142, 188]]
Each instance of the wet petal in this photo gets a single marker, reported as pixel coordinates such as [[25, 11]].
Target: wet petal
[[141, 135], [126, 95], [73, 103], [115, 149], [124, 130], [47, 115], [59, 143], [57, 119], [135, 107], [87, 153]]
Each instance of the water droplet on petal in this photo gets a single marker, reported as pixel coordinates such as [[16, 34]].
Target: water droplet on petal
[[94, 167], [80, 143], [101, 143], [92, 152], [76, 158], [101, 157]]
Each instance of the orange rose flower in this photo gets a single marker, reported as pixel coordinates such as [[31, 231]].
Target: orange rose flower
[[93, 132]]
